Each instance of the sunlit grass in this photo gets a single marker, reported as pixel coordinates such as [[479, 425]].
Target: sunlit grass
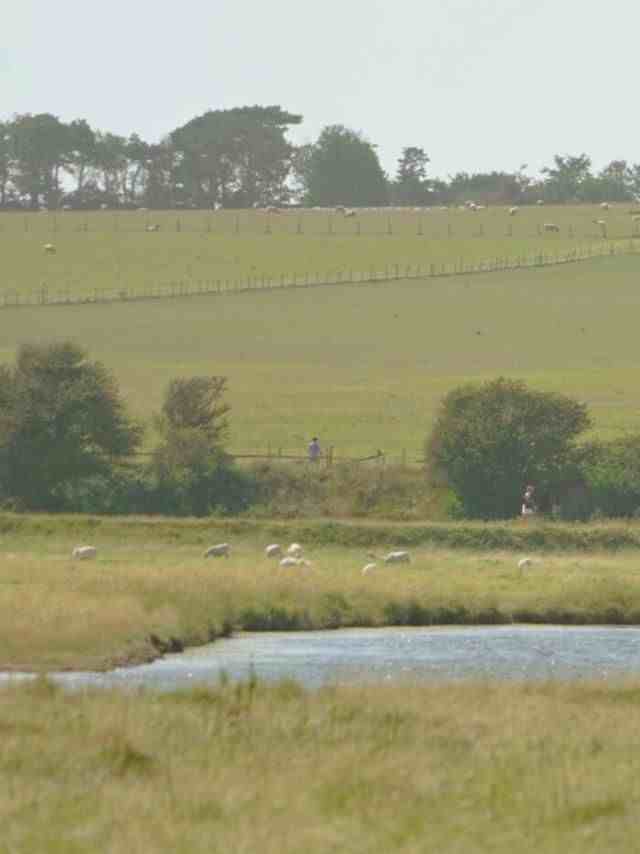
[[113, 250], [150, 593], [432, 768], [364, 367]]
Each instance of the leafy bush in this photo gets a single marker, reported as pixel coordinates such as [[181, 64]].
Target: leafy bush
[[62, 421], [491, 439], [612, 473]]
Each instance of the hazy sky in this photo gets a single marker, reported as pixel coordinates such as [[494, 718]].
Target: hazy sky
[[480, 85]]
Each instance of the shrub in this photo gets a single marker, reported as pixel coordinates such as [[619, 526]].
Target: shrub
[[612, 473], [490, 439]]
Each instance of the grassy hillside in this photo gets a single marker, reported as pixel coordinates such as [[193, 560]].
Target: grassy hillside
[[113, 250], [364, 366]]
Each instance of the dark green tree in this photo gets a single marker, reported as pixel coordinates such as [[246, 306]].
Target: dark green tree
[[190, 463], [491, 439], [343, 169], [62, 420], [411, 186], [5, 162], [42, 147], [235, 158], [565, 179]]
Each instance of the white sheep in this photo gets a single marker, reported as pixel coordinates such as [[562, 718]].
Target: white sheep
[[551, 226], [540, 202], [524, 563], [49, 249], [605, 206], [288, 562], [84, 553], [219, 550], [369, 567], [350, 213], [152, 228], [513, 211], [397, 557], [274, 550], [392, 557], [295, 550]]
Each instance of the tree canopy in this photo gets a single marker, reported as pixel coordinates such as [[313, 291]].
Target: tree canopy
[[491, 439], [343, 168], [62, 421]]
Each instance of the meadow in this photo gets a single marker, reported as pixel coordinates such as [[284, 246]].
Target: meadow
[[150, 590], [545, 768], [113, 250], [409, 768], [364, 366]]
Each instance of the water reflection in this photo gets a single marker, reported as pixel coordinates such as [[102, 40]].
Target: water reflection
[[317, 658]]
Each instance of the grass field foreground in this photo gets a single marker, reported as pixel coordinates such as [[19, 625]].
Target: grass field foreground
[[150, 589], [551, 769]]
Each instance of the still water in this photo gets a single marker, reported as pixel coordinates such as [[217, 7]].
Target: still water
[[364, 655]]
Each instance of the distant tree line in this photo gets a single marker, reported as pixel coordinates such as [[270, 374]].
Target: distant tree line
[[241, 157]]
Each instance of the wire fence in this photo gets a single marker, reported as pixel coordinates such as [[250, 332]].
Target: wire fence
[[46, 296], [405, 458]]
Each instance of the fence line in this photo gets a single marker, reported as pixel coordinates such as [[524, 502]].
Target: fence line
[[43, 296], [328, 458]]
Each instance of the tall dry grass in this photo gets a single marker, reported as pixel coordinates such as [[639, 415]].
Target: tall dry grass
[[144, 596], [551, 769]]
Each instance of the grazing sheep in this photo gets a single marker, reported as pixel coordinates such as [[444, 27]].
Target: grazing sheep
[[49, 249], [350, 213], [84, 553], [513, 211], [274, 550], [295, 550], [288, 562], [524, 563], [397, 557], [219, 550], [551, 226], [392, 557], [369, 567], [540, 202], [604, 206], [152, 228]]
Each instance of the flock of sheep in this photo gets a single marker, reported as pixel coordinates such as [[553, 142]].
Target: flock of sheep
[[549, 227], [287, 558]]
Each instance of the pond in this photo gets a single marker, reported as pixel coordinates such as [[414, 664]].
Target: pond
[[374, 655]]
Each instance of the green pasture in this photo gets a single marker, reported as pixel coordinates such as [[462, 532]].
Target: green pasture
[[112, 250], [150, 588], [364, 366]]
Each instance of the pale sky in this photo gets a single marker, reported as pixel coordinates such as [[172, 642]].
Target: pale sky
[[479, 85]]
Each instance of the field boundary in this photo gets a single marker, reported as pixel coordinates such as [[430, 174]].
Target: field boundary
[[44, 296], [538, 535]]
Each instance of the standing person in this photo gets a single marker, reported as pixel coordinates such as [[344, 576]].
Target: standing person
[[529, 506], [314, 450]]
